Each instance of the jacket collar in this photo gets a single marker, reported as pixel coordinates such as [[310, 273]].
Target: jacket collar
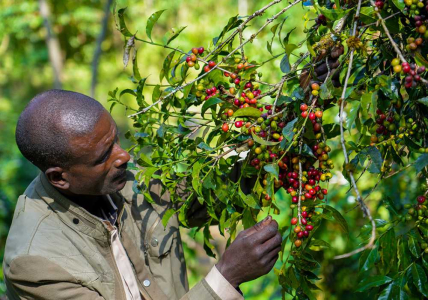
[[72, 214]]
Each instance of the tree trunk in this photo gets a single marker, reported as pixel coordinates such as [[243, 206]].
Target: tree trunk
[[98, 50], [52, 43]]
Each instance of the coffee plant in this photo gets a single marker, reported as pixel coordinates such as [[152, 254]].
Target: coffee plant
[[212, 114]]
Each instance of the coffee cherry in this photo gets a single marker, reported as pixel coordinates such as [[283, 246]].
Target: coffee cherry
[[239, 124], [421, 199], [297, 229], [397, 69], [298, 243], [211, 64], [225, 127], [315, 86], [304, 114], [201, 50], [318, 114], [294, 221], [207, 69], [309, 227], [395, 62], [312, 116], [303, 107], [195, 51]]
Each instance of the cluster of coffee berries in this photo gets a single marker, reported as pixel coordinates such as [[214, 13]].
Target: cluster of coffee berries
[[205, 89], [415, 6], [315, 89], [192, 60], [313, 116], [302, 229], [211, 64], [412, 70], [248, 96], [420, 24]]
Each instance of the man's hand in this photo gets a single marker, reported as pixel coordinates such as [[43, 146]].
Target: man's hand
[[252, 254]]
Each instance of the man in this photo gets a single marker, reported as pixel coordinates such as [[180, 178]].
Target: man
[[80, 232]]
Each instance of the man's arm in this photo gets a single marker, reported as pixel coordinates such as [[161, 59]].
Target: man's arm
[[36, 277], [252, 255]]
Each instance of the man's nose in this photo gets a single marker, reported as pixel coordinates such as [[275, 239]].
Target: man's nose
[[122, 157]]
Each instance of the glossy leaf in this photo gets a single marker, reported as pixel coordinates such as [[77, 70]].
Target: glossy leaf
[[176, 33], [273, 169], [376, 158], [421, 162], [413, 247], [339, 218], [122, 26], [152, 21], [420, 279], [372, 281], [167, 215], [261, 141], [247, 112], [209, 103]]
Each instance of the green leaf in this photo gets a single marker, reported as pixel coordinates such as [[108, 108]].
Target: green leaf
[[166, 66], [122, 26], [135, 72], [285, 64], [353, 114], [318, 245], [421, 162], [287, 131], [420, 279], [399, 4], [372, 281], [152, 21], [247, 112], [209, 103], [376, 157], [176, 33], [204, 146], [144, 161], [207, 244], [261, 141], [187, 90], [368, 259], [413, 247], [167, 215], [388, 247], [338, 217], [391, 292], [272, 168], [251, 201], [424, 101], [196, 180], [333, 14]]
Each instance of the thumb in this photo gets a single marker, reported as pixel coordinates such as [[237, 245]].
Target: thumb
[[259, 226]]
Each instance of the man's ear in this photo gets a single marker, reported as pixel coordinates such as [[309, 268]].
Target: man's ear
[[58, 178]]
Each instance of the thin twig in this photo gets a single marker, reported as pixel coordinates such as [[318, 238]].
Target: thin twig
[[364, 208]]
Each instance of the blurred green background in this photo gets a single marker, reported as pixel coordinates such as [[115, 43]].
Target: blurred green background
[[79, 43]]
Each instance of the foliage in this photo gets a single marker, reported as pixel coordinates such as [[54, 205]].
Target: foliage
[[212, 109]]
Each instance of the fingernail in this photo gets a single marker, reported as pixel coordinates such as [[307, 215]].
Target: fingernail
[[267, 219]]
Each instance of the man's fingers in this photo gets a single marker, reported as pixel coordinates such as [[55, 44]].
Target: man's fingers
[[259, 226], [271, 244], [266, 233]]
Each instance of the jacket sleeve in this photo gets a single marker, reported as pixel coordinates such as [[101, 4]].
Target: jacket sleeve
[[36, 277]]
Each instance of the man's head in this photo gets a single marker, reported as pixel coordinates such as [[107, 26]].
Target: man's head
[[74, 141]]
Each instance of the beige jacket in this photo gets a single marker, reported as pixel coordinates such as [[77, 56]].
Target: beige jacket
[[57, 250]]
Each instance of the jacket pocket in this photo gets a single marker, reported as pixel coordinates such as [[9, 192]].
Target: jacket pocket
[[159, 240]]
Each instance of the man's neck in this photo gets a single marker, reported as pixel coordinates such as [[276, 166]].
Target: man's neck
[[88, 202]]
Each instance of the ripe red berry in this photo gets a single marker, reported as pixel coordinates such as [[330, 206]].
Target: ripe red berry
[[225, 127], [406, 69], [237, 81], [312, 116], [304, 114], [304, 214], [309, 227], [188, 59], [201, 50], [207, 68], [211, 64], [421, 199], [238, 124], [324, 191], [304, 221], [303, 107], [294, 221]]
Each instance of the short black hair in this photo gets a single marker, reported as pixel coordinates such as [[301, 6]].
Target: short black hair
[[49, 121]]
